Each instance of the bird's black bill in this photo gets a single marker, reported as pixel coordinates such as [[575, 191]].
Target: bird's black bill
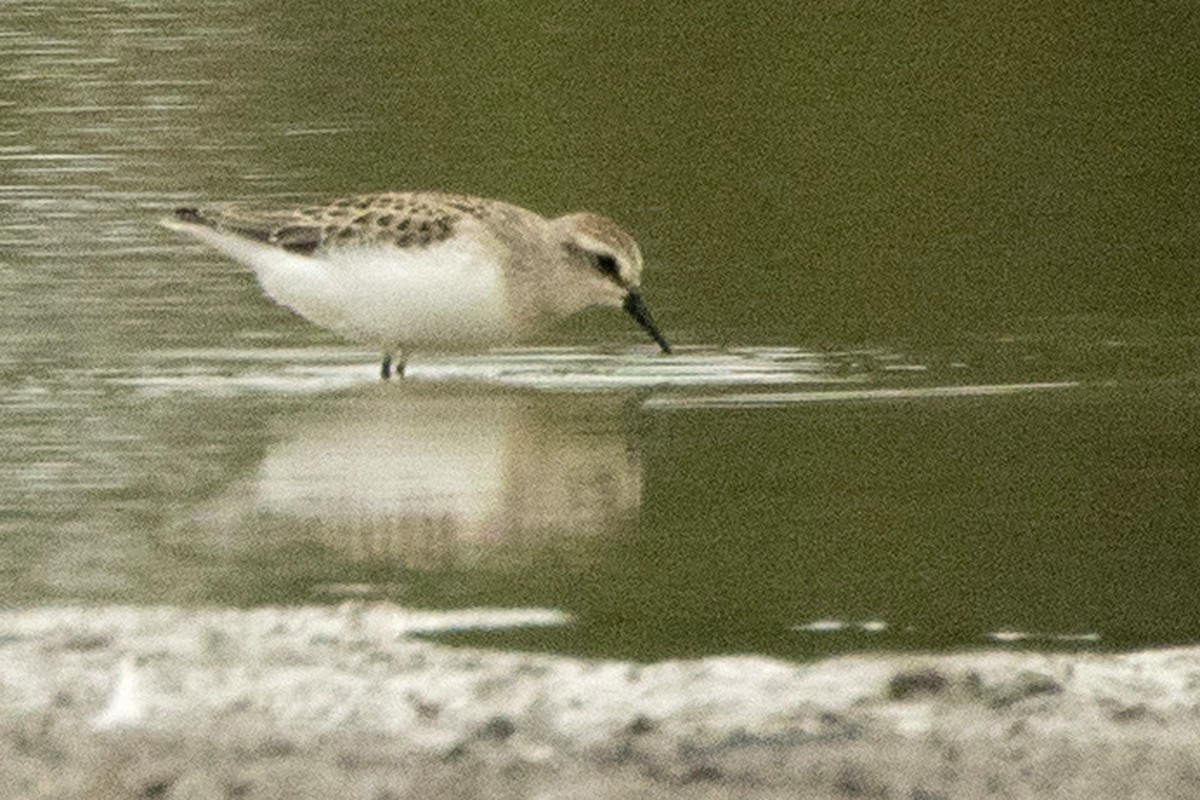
[[636, 308]]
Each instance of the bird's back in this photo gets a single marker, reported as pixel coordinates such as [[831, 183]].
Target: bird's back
[[405, 220]]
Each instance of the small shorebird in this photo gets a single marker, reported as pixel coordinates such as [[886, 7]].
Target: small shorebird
[[404, 271]]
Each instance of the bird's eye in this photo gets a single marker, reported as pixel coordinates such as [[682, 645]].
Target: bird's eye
[[607, 265]]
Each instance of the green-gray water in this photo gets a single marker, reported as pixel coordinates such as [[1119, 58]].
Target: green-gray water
[[902, 210]]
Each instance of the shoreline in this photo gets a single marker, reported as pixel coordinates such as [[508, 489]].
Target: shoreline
[[322, 701]]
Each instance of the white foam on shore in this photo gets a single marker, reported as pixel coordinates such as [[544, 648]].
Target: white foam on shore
[[830, 625], [827, 625], [1011, 636], [127, 705]]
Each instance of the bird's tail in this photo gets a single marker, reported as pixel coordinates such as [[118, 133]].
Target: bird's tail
[[185, 218]]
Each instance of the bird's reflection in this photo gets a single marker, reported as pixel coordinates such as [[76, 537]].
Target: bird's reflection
[[430, 477]]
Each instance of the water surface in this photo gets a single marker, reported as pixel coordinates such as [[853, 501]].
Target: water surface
[[932, 277]]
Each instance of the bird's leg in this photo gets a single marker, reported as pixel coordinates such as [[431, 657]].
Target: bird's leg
[[389, 368]]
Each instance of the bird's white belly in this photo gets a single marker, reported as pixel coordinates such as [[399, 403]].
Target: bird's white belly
[[446, 295]]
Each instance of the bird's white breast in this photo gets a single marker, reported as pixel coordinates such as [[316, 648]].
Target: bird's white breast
[[447, 294]]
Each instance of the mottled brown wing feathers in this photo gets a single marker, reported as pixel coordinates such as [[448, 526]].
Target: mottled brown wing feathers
[[298, 238], [401, 220], [284, 230]]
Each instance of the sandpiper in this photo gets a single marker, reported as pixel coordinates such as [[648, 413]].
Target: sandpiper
[[405, 271]]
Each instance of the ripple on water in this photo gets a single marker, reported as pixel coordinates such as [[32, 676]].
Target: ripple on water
[[777, 399], [223, 372]]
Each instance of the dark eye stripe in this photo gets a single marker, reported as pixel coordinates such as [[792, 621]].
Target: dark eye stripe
[[607, 264]]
